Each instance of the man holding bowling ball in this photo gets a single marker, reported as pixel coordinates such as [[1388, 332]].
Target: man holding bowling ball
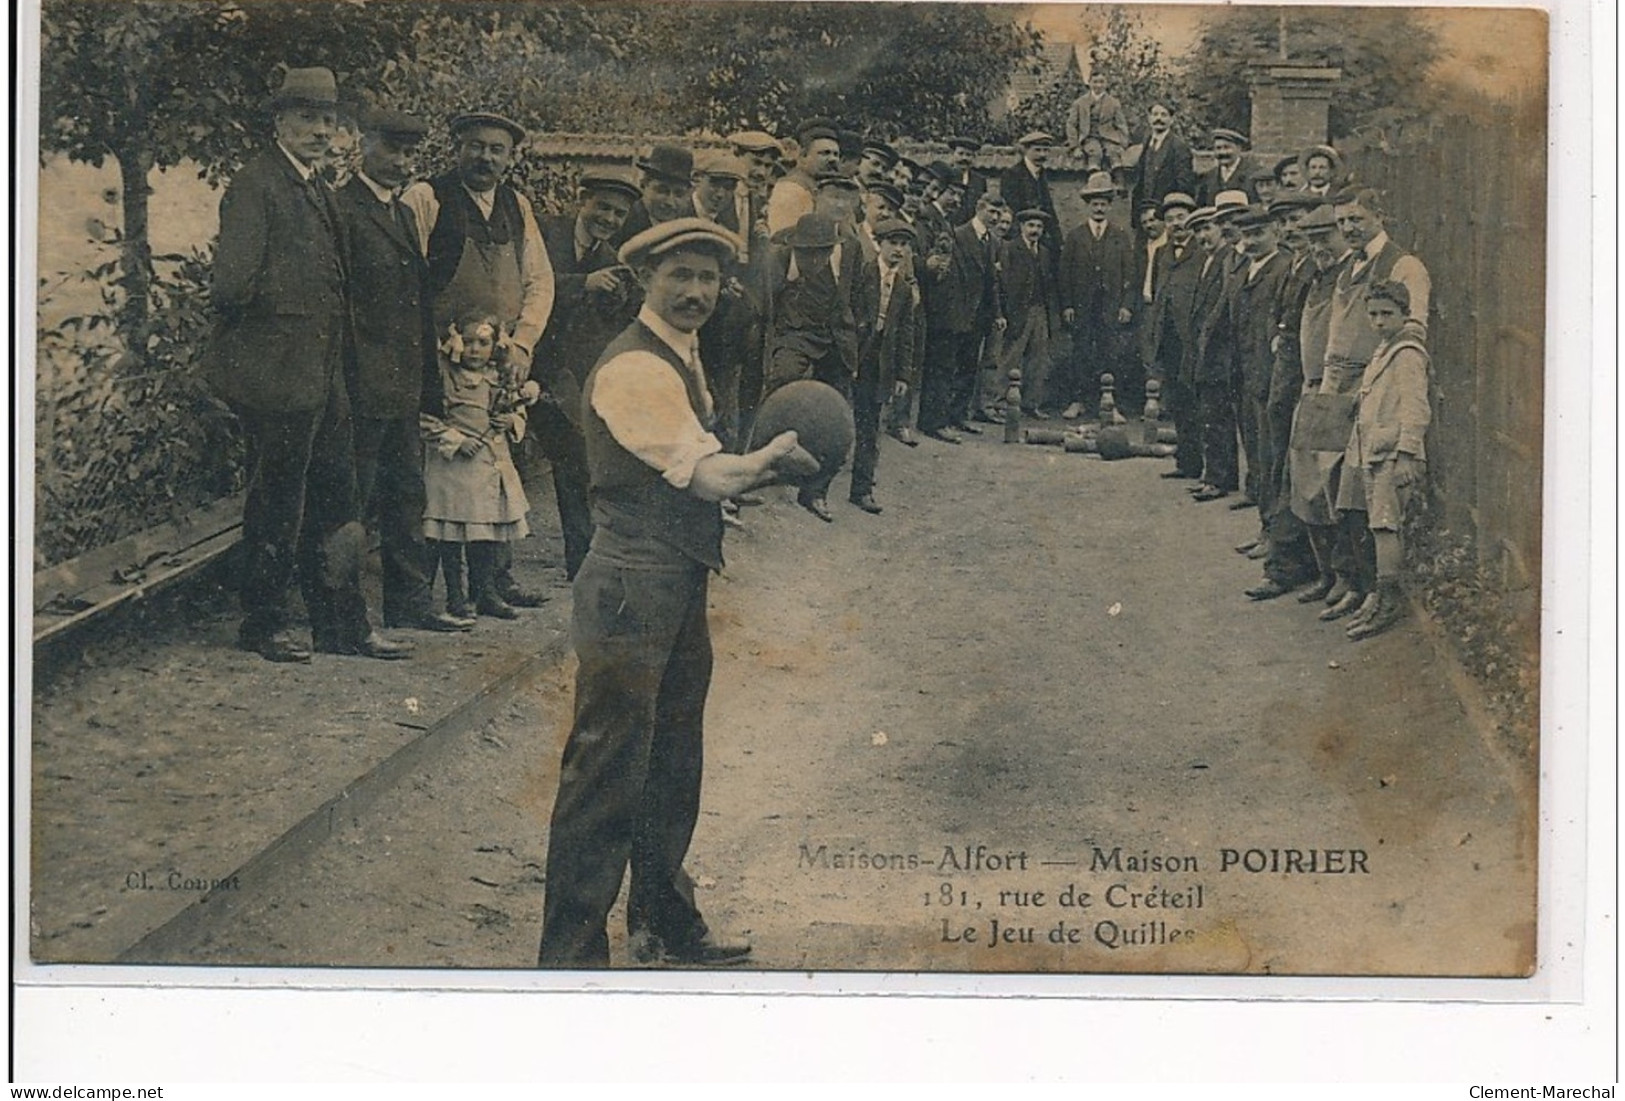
[[629, 784]]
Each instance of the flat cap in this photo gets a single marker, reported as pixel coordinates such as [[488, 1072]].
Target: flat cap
[[394, 124], [1235, 137], [958, 141], [817, 130], [836, 179], [1178, 200], [888, 191], [1036, 137], [1294, 200], [720, 164], [893, 228], [881, 149], [1034, 214], [943, 172], [1322, 219], [471, 119], [1283, 164], [1251, 218], [678, 233], [611, 179], [755, 141]]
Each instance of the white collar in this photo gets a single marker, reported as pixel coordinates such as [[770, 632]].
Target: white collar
[[1374, 246], [686, 345]]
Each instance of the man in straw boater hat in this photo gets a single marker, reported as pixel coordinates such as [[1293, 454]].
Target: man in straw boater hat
[[279, 298], [629, 784], [486, 256], [1322, 168]]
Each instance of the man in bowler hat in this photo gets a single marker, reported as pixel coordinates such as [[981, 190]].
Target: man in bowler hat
[[275, 355]]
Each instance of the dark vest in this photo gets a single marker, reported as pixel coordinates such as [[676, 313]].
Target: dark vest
[[460, 221], [629, 497]]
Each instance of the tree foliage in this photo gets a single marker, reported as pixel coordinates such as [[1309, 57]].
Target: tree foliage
[[1135, 70], [1385, 55]]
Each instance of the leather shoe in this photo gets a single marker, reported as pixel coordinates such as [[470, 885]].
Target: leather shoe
[[523, 598], [968, 428], [1261, 551], [279, 646], [432, 621], [1269, 589], [867, 503], [1242, 502], [816, 504], [707, 951], [944, 435], [1243, 548], [904, 436], [1317, 591], [988, 416], [1172, 474], [1211, 493], [496, 607], [1347, 605], [371, 645]]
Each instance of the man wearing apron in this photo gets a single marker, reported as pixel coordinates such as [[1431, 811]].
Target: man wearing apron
[[486, 254]]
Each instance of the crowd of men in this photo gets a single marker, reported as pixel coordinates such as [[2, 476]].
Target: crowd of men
[[920, 291], [655, 317]]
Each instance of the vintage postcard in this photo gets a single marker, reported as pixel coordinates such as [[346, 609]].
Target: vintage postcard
[[422, 577]]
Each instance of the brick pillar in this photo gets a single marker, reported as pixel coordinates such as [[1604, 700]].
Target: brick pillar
[[1290, 105]]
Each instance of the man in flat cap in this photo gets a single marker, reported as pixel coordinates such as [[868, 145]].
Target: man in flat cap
[[1231, 171], [731, 341], [391, 366], [961, 153], [1025, 185], [1252, 304], [629, 783], [486, 255], [961, 309], [792, 196], [281, 310], [1032, 304], [815, 281], [594, 298], [876, 163], [1288, 175], [891, 345]]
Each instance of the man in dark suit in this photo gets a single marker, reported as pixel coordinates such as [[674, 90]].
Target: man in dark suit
[[275, 356], [1098, 298], [391, 367], [1252, 321], [593, 300], [1171, 330], [890, 344], [961, 152], [1165, 161], [1231, 171], [1210, 361], [1025, 184], [1032, 307], [961, 306]]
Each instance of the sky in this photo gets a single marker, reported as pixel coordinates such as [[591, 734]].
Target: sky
[[1499, 51]]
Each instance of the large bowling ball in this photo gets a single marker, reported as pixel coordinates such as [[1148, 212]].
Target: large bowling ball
[[816, 413]]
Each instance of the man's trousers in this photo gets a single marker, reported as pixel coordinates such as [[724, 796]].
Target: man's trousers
[[629, 784]]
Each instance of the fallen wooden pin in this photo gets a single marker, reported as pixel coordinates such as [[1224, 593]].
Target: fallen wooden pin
[[1110, 443]]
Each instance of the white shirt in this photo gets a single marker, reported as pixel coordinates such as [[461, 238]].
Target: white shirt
[[535, 269], [1407, 270], [646, 408], [305, 171]]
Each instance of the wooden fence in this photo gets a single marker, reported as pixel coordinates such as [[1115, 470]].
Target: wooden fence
[[1468, 196]]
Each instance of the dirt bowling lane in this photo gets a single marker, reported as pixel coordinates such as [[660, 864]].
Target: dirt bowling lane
[[1023, 720]]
